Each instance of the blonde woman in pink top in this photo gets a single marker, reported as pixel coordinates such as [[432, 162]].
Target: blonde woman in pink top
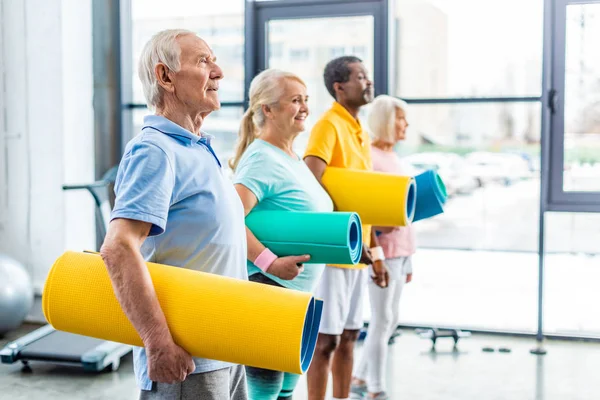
[[387, 121]]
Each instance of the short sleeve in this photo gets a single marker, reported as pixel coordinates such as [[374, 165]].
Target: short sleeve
[[322, 141], [252, 172], [144, 186]]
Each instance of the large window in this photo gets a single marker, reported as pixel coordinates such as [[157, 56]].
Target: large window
[[472, 290], [471, 72], [468, 48], [571, 238], [575, 165], [473, 87], [222, 25], [3, 143], [308, 58], [581, 170], [289, 35], [488, 153], [572, 273], [489, 158]]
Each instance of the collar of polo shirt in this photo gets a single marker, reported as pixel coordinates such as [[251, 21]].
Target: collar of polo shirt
[[170, 128]]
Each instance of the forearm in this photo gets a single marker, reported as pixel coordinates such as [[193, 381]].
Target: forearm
[[255, 247], [374, 240], [135, 292]]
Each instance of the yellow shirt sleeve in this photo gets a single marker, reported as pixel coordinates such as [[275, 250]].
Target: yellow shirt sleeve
[[322, 141]]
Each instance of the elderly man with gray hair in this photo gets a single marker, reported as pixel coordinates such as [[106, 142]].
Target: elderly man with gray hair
[[174, 206]]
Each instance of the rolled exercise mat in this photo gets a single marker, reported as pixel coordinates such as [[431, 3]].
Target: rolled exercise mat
[[431, 195], [329, 238], [380, 199], [210, 316]]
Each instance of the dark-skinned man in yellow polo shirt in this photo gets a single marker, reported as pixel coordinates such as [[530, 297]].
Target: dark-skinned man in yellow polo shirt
[[338, 140]]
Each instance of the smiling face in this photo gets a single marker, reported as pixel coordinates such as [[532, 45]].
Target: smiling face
[[196, 84], [290, 112]]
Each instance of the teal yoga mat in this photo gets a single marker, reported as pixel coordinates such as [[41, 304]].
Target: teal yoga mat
[[329, 238]]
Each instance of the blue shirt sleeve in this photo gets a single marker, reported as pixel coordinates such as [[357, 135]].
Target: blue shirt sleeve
[[253, 172], [144, 186]]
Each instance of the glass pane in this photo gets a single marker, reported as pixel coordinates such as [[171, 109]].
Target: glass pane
[[307, 57], [221, 25], [582, 99], [222, 124], [488, 157], [572, 273], [468, 48], [472, 290], [574, 233]]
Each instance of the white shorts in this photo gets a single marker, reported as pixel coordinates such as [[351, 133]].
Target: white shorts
[[342, 291]]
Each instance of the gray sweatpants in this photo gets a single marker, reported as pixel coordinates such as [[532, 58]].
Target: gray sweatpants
[[224, 384]]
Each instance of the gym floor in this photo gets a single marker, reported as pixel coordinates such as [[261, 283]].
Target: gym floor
[[568, 371]]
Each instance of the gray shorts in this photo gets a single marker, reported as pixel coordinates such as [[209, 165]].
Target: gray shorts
[[224, 384]]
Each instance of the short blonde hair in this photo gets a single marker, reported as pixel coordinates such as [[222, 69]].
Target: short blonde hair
[[382, 117], [162, 48]]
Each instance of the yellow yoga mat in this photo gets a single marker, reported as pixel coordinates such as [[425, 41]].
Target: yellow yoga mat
[[380, 199], [210, 316]]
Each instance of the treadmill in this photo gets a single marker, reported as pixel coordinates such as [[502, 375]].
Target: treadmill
[[58, 347]]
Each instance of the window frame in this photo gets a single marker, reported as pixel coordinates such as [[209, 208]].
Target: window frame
[[558, 199], [259, 13]]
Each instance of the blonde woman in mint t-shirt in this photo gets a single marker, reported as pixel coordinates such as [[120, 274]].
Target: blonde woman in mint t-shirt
[[269, 175], [388, 124]]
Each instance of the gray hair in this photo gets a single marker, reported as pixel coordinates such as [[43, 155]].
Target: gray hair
[[338, 70], [162, 48], [382, 117]]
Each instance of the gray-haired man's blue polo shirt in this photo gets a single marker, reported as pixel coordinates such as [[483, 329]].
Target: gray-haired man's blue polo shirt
[[172, 179]]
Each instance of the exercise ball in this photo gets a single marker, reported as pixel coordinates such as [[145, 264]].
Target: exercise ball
[[16, 294]]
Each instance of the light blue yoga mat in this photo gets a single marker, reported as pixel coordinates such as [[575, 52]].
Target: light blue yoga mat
[[329, 238], [431, 195]]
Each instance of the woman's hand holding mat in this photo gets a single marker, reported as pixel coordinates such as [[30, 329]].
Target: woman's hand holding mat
[[288, 268]]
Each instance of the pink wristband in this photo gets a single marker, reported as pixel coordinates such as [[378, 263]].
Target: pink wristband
[[265, 259]]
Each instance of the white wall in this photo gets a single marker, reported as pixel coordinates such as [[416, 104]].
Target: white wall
[[47, 132], [78, 120]]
